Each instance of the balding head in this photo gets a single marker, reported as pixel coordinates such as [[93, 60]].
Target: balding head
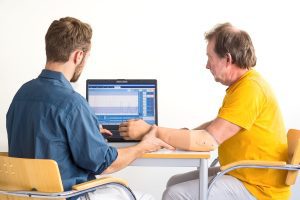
[[236, 42]]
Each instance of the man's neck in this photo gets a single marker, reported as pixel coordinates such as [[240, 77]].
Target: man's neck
[[64, 68], [236, 74]]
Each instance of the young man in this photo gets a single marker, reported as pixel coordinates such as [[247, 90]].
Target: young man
[[48, 119], [248, 126]]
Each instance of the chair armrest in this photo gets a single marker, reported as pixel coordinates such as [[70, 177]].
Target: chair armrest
[[253, 162], [97, 182]]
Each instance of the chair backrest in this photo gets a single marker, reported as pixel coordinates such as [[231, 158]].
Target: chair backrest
[[29, 174], [294, 154]]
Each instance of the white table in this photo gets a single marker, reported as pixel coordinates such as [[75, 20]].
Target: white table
[[178, 158]]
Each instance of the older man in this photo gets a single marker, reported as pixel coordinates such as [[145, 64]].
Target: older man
[[248, 126]]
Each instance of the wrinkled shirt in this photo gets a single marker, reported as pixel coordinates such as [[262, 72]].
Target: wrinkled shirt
[[47, 119]]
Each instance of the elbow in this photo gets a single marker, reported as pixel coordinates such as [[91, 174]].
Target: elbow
[[110, 169]]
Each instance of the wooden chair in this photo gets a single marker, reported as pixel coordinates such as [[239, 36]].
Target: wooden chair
[[292, 166], [22, 178]]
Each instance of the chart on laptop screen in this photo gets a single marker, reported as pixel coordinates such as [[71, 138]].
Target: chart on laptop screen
[[114, 101]]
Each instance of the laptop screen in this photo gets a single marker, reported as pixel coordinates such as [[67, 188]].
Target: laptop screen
[[117, 100]]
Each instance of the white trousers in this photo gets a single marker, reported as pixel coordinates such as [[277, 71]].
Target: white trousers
[[186, 187], [115, 193]]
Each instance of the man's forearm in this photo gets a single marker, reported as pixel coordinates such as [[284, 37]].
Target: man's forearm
[[178, 138], [191, 140], [125, 157]]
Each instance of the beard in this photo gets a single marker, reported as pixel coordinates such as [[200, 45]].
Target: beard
[[78, 71]]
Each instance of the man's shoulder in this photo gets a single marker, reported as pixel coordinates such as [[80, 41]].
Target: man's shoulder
[[72, 98], [50, 93], [256, 78], [253, 81]]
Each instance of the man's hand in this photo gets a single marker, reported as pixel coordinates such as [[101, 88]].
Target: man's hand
[[151, 143], [134, 129], [104, 131], [126, 155]]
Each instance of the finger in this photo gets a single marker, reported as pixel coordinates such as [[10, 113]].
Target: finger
[[133, 120], [123, 129], [124, 134], [106, 132], [165, 145], [124, 124], [153, 129]]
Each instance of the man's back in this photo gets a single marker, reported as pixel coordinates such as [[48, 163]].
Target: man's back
[[48, 119]]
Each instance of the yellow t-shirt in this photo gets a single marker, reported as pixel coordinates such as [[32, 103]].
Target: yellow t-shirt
[[251, 104]]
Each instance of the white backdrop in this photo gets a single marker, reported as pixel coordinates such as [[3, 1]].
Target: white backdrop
[[162, 39]]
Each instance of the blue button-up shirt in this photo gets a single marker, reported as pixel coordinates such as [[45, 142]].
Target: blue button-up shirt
[[48, 119]]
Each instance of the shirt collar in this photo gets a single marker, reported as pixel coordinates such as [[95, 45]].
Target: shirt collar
[[248, 73], [49, 74]]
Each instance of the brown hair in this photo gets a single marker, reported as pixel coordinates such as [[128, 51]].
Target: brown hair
[[234, 41], [64, 36]]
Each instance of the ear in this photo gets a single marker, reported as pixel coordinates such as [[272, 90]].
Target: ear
[[78, 56], [228, 58]]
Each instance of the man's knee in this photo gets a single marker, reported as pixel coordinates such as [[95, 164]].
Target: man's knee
[[169, 194], [229, 188], [172, 181], [180, 178], [186, 190], [166, 195]]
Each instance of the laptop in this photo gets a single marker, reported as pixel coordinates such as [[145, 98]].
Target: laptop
[[117, 100]]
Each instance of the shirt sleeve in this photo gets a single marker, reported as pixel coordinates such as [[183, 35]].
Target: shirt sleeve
[[243, 105], [88, 147]]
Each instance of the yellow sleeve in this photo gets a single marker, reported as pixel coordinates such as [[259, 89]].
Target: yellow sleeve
[[243, 104]]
